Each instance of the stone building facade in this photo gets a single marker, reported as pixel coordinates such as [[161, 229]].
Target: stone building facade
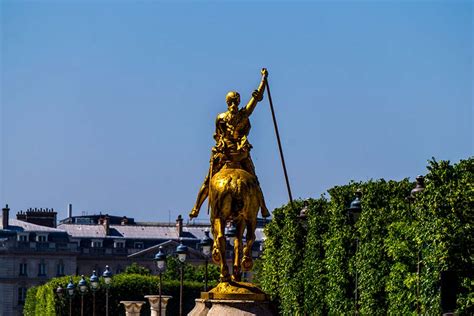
[[31, 254]]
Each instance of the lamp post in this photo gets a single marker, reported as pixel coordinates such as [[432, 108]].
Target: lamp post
[[230, 233], [182, 252], [303, 220], [107, 275], [70, 291], [94, 287], [205, 244], [59, 293], [160, 259], [353, 213], [419, 187], [82, 288]]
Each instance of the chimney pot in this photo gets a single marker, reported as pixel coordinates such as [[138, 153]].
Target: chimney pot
[[5, 215], [179, 225], [124, 220], [106, 224]]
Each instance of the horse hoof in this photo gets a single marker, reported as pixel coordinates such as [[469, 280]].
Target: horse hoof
[[225, 278], [247, 263], [236, 278], [216, 256], [194, 213]]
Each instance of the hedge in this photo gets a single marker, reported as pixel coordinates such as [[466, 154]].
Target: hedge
[[311, 271], [42, 300]]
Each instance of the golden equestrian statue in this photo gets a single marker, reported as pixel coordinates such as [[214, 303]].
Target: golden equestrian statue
[[231, 184]]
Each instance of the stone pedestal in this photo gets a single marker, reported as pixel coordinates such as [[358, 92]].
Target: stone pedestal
[[132, 308], [233, 299], [155, 304], [232, 308]]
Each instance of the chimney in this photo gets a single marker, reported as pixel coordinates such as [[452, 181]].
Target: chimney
[[179, 225], [106, 224], [5, 214], [124, 221], [69, 210], [55, 219]]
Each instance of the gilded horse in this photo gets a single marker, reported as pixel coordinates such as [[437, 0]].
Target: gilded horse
[[234, 197]]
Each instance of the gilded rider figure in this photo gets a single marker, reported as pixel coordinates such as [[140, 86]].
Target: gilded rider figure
[[232, 145]]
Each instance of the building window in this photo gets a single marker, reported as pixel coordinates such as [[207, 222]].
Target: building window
[[23, 269], [60, 269], [22, 237], [21, 295], [119, 244], [96, 244], [138, 245], [41, 238], [42, 269]]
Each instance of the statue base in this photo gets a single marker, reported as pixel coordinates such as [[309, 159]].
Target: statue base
[[233, 299]]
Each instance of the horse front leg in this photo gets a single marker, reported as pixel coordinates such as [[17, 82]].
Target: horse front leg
[[218, 252]]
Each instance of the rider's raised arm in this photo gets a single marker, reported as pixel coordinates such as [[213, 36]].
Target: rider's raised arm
[[257, 95]]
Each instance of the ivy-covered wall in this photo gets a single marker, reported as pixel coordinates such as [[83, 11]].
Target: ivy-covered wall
[[403, 247]]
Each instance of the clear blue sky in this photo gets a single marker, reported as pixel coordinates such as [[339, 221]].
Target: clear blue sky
[[110, 105]]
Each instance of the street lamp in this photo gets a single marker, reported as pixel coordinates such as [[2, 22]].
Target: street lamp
[[419, 187], [353, 213], [354, 210], [107, 275], [59, 293], [182, 252], [70, 291], [231, 232], [82, 288], [160, 259], [94, 287], [206, 244]]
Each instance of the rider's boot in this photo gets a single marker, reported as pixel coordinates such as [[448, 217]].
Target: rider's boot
[[202, 195]]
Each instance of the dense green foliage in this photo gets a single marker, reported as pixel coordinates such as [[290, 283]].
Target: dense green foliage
[[191, 272], [133, 284], [311, 270], [135, 268]]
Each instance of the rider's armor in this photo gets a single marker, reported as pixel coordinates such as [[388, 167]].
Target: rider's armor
[[232, 146]]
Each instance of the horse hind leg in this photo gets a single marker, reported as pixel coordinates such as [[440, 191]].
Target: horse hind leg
[[237, 271], [218, 252], [247, 261]]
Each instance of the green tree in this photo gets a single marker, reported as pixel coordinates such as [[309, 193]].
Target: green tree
[[135, 268]]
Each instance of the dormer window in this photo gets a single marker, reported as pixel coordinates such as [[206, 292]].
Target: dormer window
[[96, 243], [42, 237], [119, 243], [23, 237]]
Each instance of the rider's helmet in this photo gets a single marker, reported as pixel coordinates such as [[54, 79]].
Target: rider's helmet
[[232, 96]]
